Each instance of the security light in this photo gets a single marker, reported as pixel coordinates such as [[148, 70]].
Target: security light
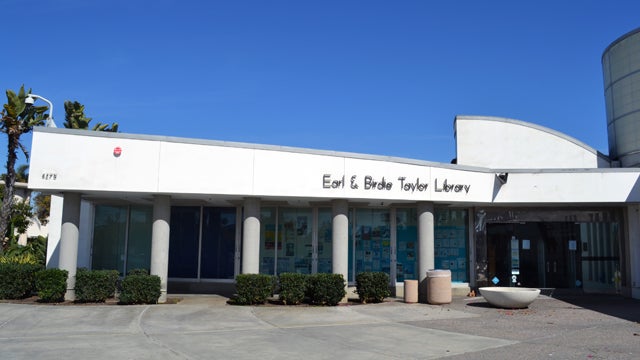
[[31, 98]]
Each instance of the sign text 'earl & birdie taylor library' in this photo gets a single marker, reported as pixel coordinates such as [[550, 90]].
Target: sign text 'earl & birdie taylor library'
[[382, 184]]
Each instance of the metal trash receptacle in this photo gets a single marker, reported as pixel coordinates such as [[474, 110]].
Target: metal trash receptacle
[[438, 287], [411, 291]]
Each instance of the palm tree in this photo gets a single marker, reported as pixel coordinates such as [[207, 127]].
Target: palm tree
[[22, 173], [75, 119], [18, 118]]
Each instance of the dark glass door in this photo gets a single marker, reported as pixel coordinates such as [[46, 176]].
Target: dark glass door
[[534, 254]]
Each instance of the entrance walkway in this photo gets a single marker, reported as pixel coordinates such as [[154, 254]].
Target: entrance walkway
[[205, 327]]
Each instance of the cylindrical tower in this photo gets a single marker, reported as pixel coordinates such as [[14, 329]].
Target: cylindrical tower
[[621, 68]]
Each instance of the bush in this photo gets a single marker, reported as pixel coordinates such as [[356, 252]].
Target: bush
[[17, 281], [95, 285], [372, 287], [51, 284], [326, 289], [253, 288], [19, 258], [140, 289], [138, 272], [34, 252], [292, 288]]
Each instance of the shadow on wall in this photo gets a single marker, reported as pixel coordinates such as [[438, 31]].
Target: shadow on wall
[[55, 255], [634, 194]]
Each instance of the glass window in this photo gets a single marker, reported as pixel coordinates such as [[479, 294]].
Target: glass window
[[325, 240], [407, 244], [184, 241], [450, 243], [218, 243], [109, 236], [139, 239], [286, 240], [599, 251], [268, 241], [295, 254], [372, 241]]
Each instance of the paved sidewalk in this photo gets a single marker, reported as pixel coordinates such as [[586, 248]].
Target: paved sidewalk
[[205, 327]]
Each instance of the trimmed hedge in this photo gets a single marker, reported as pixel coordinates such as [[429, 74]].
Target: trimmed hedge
[[372, 287], [292, 288], [326, 289], [51, 284], [95, 285], [17, 281], [138, 272], [140, 289], [253, 288]]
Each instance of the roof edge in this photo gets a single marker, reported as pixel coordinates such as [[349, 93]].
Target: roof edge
[[533, 126], [617, 41], [195, 141]]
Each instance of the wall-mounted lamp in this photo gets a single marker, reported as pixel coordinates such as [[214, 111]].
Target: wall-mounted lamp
[[502, 177], [31, 98]]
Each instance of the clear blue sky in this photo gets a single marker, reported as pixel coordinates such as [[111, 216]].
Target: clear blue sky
[[376, 77]]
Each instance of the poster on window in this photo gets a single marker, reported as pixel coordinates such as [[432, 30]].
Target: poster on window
[[451, 250]]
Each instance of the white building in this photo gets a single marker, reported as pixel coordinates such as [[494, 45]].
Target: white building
[[522, 206], [199, 212]]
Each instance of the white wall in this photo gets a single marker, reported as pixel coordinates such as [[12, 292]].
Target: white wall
[[499, 143], [609, 186], [85, 229], [86, 163], [150, 166]]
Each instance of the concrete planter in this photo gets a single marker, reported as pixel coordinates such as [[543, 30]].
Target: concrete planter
[[509, 297]]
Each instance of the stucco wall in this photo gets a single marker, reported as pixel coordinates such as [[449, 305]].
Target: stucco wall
[[500, 143]]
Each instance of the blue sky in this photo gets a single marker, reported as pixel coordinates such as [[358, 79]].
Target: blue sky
[[376, 77]]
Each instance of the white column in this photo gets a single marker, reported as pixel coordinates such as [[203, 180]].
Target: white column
[[426, 254], [251, 237], [633, 281], [160, 242], [340, 239], [69, 236], [54, 227]]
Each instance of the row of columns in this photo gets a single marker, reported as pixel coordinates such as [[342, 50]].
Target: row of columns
[[69, 238]]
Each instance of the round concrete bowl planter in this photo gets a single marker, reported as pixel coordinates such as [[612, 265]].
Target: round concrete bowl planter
[[509, 297]]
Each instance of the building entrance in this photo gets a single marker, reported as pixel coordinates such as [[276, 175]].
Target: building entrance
[[534, 254]]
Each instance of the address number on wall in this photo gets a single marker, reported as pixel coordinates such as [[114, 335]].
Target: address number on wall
[[50, 176]]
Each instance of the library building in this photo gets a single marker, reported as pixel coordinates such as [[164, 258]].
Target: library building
[[520, 205]]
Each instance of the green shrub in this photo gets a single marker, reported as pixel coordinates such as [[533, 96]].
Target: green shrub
[[51, 284], [326, 289], [95, 285], [292, 288], [17, 281], [19, 258], [138, 272], [253, 288], [372, 287], [34, 252], [140, 289]]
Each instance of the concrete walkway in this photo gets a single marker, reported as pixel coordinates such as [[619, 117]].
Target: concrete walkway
[[205, 327]]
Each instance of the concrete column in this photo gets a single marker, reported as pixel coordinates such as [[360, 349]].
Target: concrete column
[[160, 242], [633, 244], [340, 249], [426, 254], [251, 237], [69, 236]]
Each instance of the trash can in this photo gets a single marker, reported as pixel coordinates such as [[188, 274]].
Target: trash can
[[411, 291], [438, 287]]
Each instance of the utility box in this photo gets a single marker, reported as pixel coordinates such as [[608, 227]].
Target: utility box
[[438, 287]]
